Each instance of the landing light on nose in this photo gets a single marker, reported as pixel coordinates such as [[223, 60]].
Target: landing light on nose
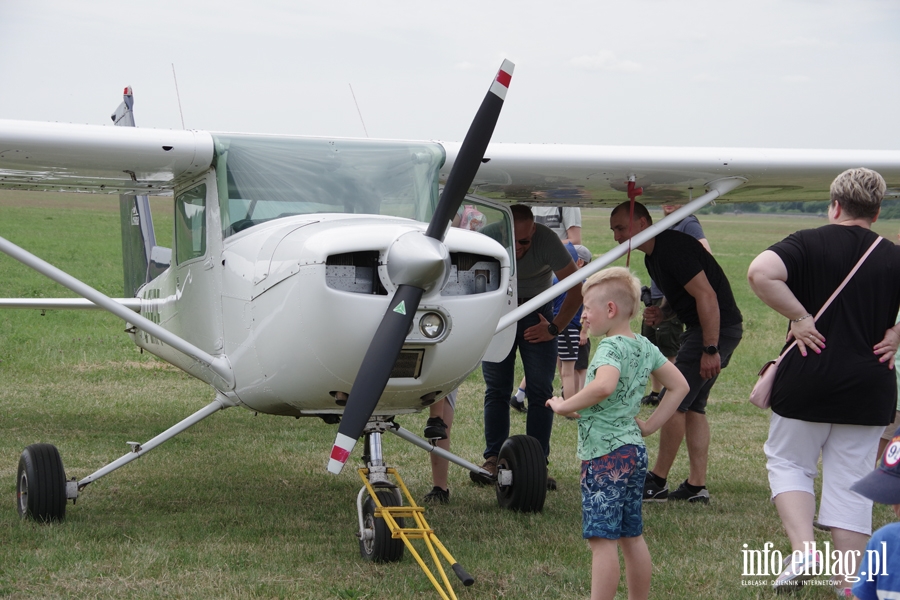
[[431, 325]]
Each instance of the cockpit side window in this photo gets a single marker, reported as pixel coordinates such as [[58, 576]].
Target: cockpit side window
[[190, 224], [490, 221]]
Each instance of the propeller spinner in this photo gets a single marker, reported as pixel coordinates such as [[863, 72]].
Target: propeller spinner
[[416, 271]]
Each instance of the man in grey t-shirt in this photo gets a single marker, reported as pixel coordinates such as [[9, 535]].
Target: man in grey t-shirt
[[539, 255]]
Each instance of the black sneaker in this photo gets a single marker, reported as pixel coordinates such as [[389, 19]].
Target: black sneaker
[[551, 484], [683, 493], [519, 406], [490, 465], [653, 492], [651, 399], [435, 429], [437, 496]]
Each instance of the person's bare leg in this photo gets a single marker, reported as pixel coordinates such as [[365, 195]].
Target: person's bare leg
[[638, 567], [440, 467], [845, 541], [670, 437], [696, 434], [567, 376], [797, 510], [604, 568], [580, 379]]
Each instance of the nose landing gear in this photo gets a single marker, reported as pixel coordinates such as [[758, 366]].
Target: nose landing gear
[[383, 517]]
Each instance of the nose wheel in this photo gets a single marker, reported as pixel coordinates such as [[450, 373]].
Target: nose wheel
[[377, 544], [387, 525]]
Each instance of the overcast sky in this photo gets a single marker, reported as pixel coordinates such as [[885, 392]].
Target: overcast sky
[[790, 73]]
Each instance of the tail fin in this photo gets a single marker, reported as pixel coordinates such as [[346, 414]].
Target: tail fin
[[142, 259]]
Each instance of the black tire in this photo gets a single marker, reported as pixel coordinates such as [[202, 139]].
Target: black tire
[[41, 484], [383, 548], [523, 455]]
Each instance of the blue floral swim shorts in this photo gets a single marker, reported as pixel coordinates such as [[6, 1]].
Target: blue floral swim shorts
[[612, 487]]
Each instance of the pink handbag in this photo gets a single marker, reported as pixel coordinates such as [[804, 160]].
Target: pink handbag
[[761, 394]]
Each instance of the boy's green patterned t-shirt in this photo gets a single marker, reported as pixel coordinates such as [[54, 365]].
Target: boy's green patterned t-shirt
[[610, 424]]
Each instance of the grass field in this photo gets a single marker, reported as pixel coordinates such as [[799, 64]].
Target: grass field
[[240, 506]]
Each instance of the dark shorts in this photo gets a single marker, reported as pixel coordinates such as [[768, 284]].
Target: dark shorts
[[612, 488], [584, 357], [688, 362], [666, 336], [567, 343]]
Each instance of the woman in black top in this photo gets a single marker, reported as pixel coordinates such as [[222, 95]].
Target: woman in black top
[[835, 392]]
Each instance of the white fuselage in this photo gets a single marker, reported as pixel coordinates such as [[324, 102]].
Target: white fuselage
[[295, 329]]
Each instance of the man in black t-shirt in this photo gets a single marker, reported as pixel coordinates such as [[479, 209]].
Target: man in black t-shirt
[[697, 289]]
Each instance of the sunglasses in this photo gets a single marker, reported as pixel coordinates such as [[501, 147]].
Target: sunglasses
[[523, 242]]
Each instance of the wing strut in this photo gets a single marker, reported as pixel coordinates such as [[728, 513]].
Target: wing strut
[[717, 188], [218, 365], [138, 450]]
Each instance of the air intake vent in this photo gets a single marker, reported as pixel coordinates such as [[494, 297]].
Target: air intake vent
[[355, 272], [472, 274], [409, 364]]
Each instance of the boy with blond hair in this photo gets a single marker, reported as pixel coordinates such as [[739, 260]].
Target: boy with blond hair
[[610, 444]]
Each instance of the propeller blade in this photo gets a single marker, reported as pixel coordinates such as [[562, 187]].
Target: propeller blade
[[374, 373], [471, 153], [388, 341]]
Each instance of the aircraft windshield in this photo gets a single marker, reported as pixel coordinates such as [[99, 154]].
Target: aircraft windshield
[[267, 177]]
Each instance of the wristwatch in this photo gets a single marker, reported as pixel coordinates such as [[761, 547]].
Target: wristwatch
[[553, 329], [711, 349]]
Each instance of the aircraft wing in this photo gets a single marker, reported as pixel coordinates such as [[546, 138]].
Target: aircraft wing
[[598, 175], [90, 158], [124, 160]]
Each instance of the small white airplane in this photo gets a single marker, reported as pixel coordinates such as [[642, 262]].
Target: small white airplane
[[281, 241]]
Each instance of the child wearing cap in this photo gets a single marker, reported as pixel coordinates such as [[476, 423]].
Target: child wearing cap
[[883, 486]]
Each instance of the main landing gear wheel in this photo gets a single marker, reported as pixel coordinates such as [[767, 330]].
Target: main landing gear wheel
[[382, 548], [523, 455], [41, 484]]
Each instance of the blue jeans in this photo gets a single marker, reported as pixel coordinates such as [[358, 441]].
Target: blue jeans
[[539, 361]]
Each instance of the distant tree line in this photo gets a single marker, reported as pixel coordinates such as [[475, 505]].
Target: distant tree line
[[890, 209]]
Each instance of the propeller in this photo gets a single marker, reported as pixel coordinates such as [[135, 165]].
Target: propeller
[[416, 263]]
